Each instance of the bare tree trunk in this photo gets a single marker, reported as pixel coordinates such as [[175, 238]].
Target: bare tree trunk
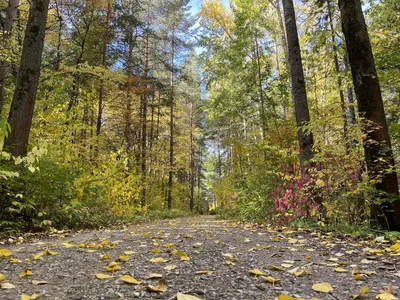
[[377, 146], [191, 167], [144, 113], [171, 122], [350, 99], [22, 106], [104, 64], [11, 16], [306, 140]]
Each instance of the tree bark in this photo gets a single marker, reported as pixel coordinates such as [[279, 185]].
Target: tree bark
[[377, 146], [11, 16], [191, 167], [171, 123], [22, 106], [305, 138]]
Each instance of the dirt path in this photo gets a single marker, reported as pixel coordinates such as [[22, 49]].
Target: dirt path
[[224, 250]]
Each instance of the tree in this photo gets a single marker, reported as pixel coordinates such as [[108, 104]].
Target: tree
[[8, 26], [305, 138], [22, 106], [377, 145]]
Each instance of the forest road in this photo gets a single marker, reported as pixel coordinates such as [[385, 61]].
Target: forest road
[[214, 261]]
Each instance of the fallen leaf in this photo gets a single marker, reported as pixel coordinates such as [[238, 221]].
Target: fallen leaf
[[341, 270], [129, 252], [39, 282], [14, 260], [130, 280], [2, 277], [49, 252], [229, 255], [112, 267], [123, 258], [157, 260], [104, 257], [154, 276], [323, 287], [156, 250], [170, 267], [37, 256], [385, 296], [197, 245], [185, 258], [271, 280], [203, 272], [257, 272], [104, 276], [287, 265], [7, 285], [228, 262], [363, 290], [276, 268], [27, 297], [5, 252], [181, 296], [161, 287], [27, 272]]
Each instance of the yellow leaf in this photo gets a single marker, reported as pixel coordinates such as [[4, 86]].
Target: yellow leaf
[[181, 296], [103, 276], [395, 247], [187, 236], [323, 287], [271, 280], [25, 297], [91, 251], [228, 262], [104, 242], [39, 282], [154, 276], [130, 280], [156, 250], [14, 260], [7, 285], [276, 268], [185, 258], [197, 245], [27, 272], [363, 290], [285, 297], [123, 258], [2, 277], [287, 265], [179, 253], [385, 296], [320, 183], [112, 267], [104, 257], [341, 270], [229, 255], [129, 252], [257, 272], [170, 267], [360, 276], [159, 288], [203, 272], [157, 260], [5, 252], [49, 252]]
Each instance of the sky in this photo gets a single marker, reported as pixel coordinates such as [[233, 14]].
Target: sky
[[197, 3]]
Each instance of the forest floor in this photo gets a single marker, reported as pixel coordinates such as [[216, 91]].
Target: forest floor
[[214, 260]]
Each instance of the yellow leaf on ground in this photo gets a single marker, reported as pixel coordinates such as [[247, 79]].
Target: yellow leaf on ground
[[39, 282], [7, 285], [161, 287], [123, 258], [27, 297], [341, 270], [154, 276], [157, 260], [2, 277], [276, 268], [257, 272], [27, 272], [103, 276], [156, 250], [203, 272], [363, 290], [129, 252], [104, 257], [5, 252], [170, 267], [49, 252], [112, 267], [385, 296], [271, 280], [197, 245], [228, 262], [229, 255], [285, 297], [323, 287], [181, 296], [130, 280]]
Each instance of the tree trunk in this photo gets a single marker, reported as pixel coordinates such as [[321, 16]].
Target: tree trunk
[[171, 122], [22, 106], [306, 140], [191, 167], [11, 16], [377, 146]]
